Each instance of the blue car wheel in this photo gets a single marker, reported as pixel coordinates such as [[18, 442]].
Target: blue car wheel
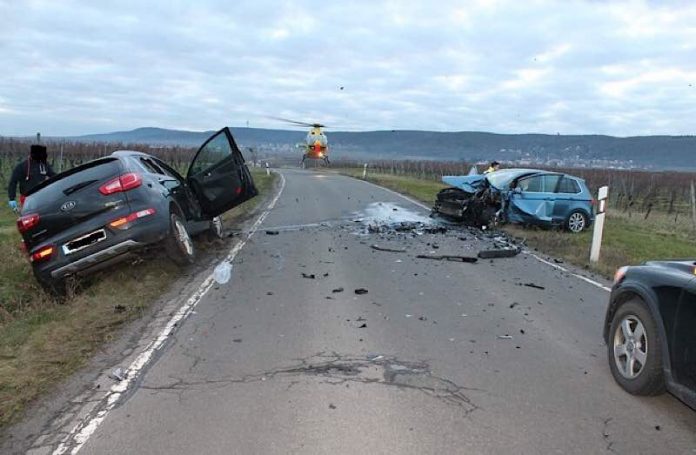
[[576, 222]]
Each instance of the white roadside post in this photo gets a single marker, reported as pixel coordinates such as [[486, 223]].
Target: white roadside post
[[268, 170], [365, 170], [602, 195]]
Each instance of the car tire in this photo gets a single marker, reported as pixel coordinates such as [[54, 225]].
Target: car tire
[[633, 335], [576, 222], [216, 230], [178, 244]]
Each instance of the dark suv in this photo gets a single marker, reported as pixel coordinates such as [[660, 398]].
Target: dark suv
[[99, 213]]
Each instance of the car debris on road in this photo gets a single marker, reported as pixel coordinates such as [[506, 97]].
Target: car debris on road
[[448, 257]]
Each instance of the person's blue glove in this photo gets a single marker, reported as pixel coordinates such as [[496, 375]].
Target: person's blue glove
[[14, 206]]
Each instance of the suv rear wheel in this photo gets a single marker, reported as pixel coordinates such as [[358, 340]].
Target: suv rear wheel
[[178, 244]]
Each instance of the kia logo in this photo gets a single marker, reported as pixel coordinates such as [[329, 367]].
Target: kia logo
[[68, 206]]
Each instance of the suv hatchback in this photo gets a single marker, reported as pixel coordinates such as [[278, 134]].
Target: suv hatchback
[[99, 213]]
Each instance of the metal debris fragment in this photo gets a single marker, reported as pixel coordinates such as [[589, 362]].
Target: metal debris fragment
[[361, 291], [535, 286]]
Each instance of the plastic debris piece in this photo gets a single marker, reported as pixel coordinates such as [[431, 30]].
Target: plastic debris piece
[[499, 253], [337, 290], [388, 250], [361, 291], [504, 337], [374, 357], [222, 272], [448, 257], [309, 276], [272, 232], [535, 286], [118, 374], [409, 315]]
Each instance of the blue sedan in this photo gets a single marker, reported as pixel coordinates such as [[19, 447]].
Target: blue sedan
[[524, 196]]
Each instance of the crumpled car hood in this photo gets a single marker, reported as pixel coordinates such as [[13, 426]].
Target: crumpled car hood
[[468, 183]]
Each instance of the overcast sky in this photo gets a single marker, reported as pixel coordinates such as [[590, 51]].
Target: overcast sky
[[75, 67]]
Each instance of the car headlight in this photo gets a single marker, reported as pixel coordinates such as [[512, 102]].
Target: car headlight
[[620, 273]]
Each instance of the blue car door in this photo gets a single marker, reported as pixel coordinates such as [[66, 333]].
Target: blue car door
[[567, 194], [532, 200]]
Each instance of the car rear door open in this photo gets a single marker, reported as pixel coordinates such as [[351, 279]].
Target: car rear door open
[[218, 176]]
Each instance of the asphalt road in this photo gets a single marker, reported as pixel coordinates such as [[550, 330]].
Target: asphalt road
[[275, 363]]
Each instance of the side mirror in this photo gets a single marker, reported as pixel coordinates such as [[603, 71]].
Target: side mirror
[[517, 190]]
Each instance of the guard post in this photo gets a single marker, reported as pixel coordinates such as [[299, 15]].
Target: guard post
[[365, 170], [268, 170], [602, 195]]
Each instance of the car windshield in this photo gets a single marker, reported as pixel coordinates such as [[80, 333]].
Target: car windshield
[[502, 179]]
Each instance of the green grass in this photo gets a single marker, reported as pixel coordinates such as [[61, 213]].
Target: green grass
[[627, 240], [42, 342], [423, 190]]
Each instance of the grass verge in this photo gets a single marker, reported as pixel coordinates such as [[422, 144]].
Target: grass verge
[[42, 343], [627, 240]]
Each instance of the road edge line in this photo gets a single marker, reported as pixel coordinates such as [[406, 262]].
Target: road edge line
[[84, 429]]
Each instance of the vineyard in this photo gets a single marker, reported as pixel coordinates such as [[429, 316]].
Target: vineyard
[[66, 155], [638, 194]]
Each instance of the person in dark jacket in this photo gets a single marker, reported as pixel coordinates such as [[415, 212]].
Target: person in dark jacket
[[28, 174]]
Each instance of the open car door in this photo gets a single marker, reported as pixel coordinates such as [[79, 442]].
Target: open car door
[[218, 176]]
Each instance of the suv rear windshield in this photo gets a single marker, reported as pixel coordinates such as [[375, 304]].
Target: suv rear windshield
[[72, 181]]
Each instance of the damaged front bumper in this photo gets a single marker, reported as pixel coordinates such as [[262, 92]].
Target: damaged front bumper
[[482, 207]]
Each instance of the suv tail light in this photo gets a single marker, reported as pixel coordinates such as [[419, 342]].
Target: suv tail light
[[123, 182], [124, 221], [42, 254], [27, 222]]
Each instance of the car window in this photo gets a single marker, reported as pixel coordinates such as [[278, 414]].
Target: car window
[[568, 185], [150, 166], [168, 170], [539, 183], [213, 152]]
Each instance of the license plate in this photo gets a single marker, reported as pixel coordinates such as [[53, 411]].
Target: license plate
[[84, 241]]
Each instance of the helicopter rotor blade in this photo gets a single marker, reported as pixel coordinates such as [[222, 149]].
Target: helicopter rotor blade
[[298, 123]]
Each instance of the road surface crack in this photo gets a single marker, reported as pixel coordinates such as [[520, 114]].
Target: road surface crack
[[336, 369]]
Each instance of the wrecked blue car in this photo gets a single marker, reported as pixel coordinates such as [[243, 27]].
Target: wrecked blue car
[[522, 196]]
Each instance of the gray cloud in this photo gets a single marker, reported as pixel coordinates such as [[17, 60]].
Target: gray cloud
[[78, 66]]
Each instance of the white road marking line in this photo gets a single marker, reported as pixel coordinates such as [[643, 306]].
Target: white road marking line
[[556, 266], [81, 433]]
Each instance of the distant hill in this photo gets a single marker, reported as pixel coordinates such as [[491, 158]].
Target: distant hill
[[663, 152]]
